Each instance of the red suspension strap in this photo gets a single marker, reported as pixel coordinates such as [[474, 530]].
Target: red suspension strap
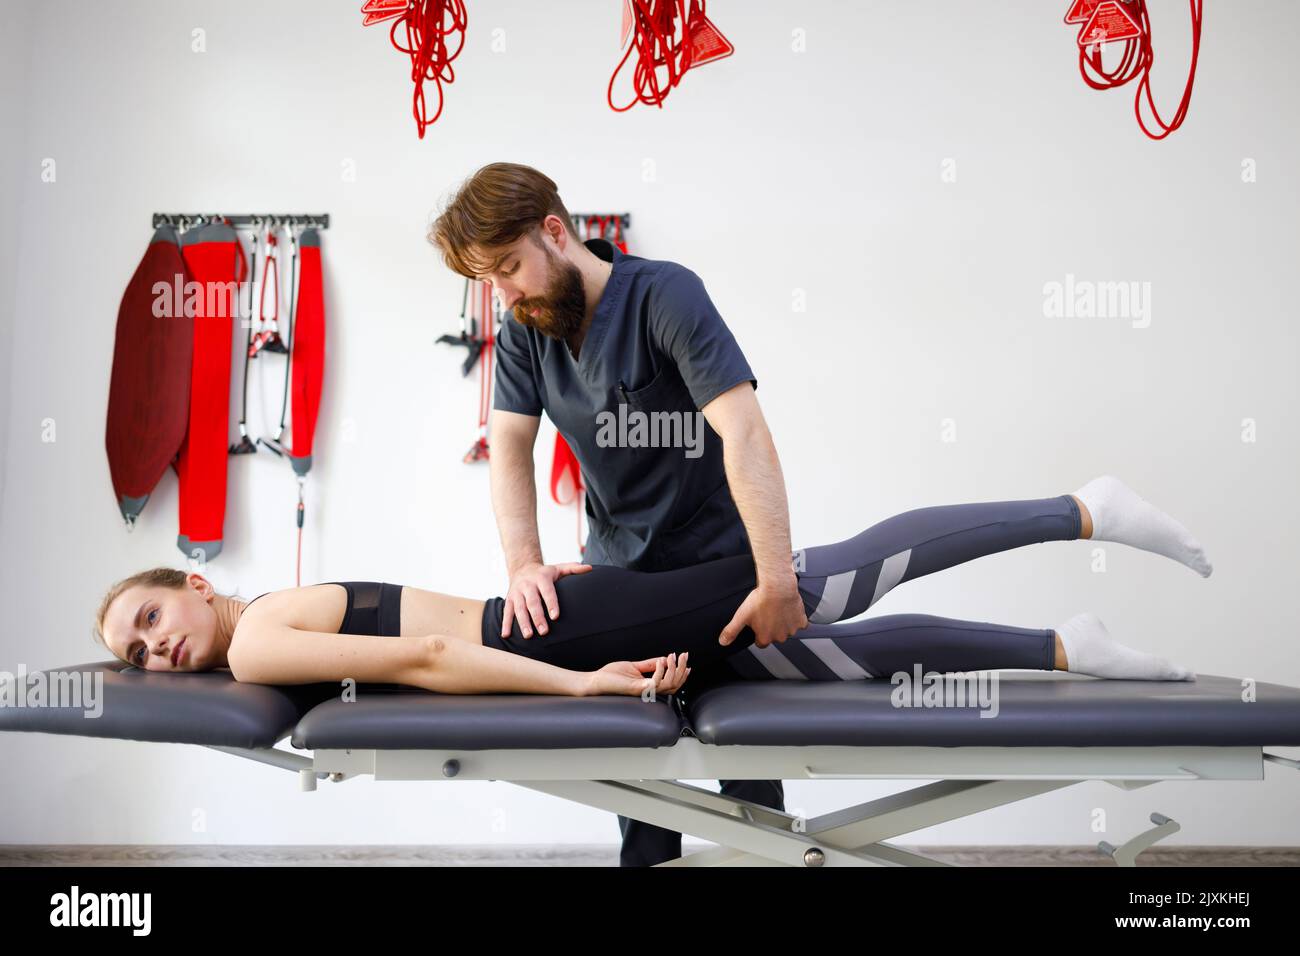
[[1144, 84], [566, 482], [618, 239], [479, 450], [428, 25], [567, 486], [659, 42], [1127, 21], [268, 330]]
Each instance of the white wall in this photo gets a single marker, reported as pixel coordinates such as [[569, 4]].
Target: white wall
[[773, 171], [14, 70]]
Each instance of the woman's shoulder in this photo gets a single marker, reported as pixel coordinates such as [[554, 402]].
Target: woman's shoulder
[[316, 607]]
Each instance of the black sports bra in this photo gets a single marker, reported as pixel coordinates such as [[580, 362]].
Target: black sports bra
[[374, 607]]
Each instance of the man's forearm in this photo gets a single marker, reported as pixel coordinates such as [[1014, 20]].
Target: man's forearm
[[514, 499], [758, 488]]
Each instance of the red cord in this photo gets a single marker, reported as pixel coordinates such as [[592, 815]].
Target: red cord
[[1135, 60], [480, 451], [1135, 63], [659, 43], [270, 266], [428, 23], [299, 517], [485, 379], [1144, 85]]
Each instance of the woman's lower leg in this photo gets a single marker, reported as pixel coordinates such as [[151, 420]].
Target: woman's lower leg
[[841, 580]]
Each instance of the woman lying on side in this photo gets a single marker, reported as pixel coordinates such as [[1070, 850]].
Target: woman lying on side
[[617, 626]]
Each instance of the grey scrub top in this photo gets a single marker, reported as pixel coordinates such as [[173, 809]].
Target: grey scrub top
[[656, 344]]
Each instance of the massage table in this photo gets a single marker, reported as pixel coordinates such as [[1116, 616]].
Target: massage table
[[627, 755]]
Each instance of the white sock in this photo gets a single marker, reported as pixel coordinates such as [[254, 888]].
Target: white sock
[[1089, 649], [1120, 514]]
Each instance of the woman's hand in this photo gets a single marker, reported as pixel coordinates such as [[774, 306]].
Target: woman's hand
[[627, 677], [532, 595]]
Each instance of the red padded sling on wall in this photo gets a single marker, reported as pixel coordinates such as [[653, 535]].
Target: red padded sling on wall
[[215, 260], [308, 358], [149, 392]]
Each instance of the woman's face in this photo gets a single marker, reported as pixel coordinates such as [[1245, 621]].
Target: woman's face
[[164, 629]]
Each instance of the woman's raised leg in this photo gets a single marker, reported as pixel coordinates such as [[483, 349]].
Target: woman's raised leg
[[839, 581]]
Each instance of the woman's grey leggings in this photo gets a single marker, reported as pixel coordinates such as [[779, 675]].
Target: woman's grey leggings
[[610, 614]]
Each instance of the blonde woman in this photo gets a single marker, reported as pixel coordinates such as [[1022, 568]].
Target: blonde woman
[[629, 632]]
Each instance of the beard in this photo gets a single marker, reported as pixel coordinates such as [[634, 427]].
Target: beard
[[561, 310]]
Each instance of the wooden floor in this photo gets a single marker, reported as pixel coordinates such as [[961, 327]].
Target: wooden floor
[[583, 855]]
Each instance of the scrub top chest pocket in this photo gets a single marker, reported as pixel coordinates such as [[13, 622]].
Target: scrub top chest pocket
[[661, 420], [665, 392], [661, 417]]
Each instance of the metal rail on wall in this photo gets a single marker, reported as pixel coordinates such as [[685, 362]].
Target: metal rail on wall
[[187, 219]]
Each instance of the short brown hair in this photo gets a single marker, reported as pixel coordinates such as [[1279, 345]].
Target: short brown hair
[[493, 208], [154, 577]]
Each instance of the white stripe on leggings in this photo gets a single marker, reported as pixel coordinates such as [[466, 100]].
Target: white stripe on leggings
[[891, 572], [830, 654], [835, 596], [777, 664]]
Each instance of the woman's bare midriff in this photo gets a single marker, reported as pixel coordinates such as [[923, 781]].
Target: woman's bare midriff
[[431, 612]]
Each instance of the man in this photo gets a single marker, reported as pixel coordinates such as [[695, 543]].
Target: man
[[594, 328]]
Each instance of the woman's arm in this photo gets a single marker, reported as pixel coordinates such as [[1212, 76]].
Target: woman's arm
[[272, 653], [459, 667]]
